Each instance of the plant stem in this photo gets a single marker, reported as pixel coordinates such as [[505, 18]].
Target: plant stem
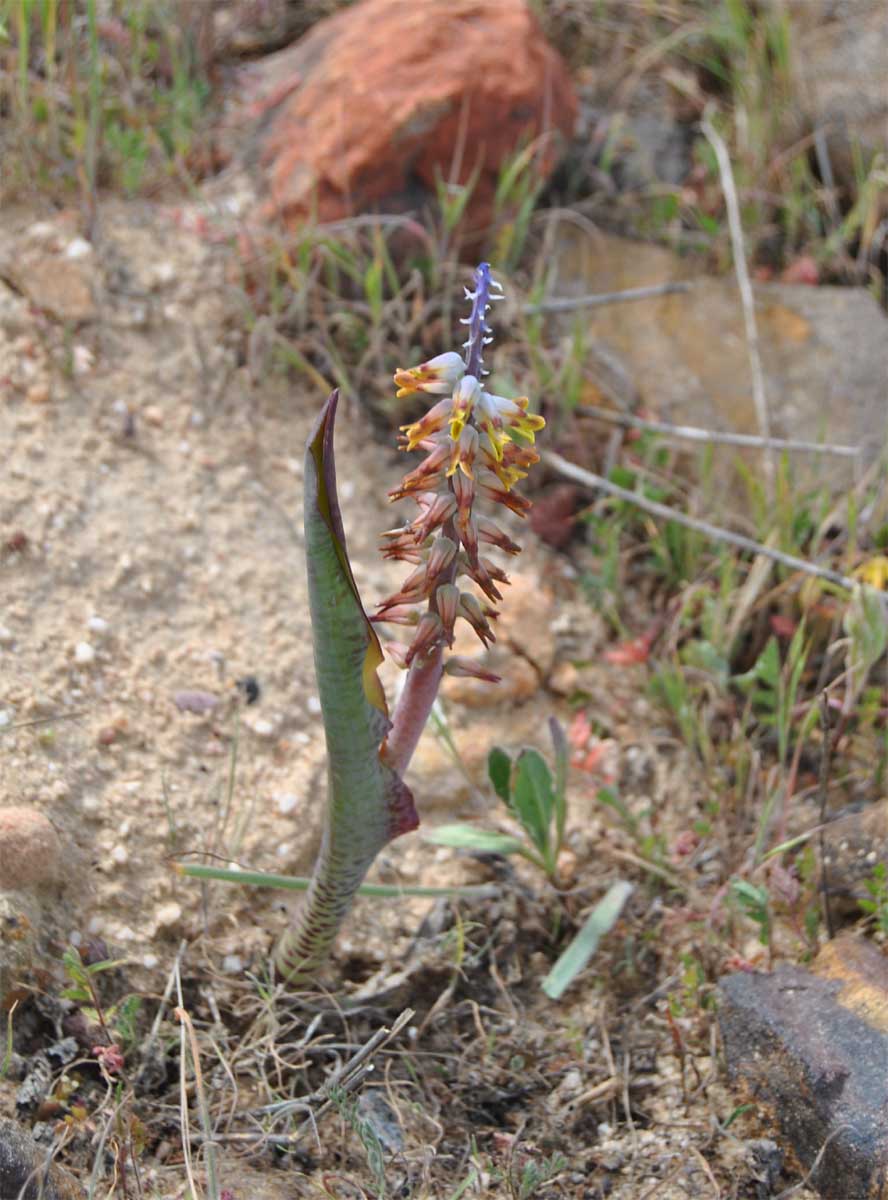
[[413, 709]]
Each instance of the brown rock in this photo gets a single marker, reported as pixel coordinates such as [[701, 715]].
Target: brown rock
[[811, 1048], [29, 848], [377, 102], [25, 1170], [62, 287]]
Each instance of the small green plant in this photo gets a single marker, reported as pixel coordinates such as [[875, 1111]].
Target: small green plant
[[535, 1175], [876, 903], [535, 798], [755, 903]]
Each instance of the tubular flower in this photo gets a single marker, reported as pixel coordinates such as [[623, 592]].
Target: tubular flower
[[476, 445]]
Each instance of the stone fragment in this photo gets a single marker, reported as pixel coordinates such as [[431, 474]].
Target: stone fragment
[[30, 849], [62, 287], [379, 101], [26, 1172], [824, 350], [810, 1048]]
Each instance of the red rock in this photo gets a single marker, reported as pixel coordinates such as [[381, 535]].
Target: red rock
[[379, 100], [30, 849]]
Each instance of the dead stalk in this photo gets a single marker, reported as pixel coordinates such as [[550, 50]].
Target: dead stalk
[[747, 300]]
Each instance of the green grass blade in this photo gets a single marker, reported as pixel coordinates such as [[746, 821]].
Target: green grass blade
[[301, 883], [576, 957]]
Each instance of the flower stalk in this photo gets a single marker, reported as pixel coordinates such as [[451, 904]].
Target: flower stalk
[[476, 446]]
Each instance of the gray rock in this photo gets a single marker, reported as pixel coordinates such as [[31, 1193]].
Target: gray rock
[[841, 59], [811, 1051], [25, 1170]]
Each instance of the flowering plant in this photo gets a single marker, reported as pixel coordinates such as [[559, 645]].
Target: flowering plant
[[477, 445]]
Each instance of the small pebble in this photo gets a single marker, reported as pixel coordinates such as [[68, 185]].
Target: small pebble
[[120, 854], [97, 625], [38, 393], [286, 802], [169, 913], [83, 360], [195, 702], [78, 248], [232, 964], [150, 961], [7, 637], [84, 653], [313, 704], [5, 718], [263, 728]]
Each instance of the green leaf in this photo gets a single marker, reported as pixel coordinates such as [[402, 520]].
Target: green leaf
[[481, 841], [499, 768], [367, 802], [299, 883], [533, 797], [576, 957]]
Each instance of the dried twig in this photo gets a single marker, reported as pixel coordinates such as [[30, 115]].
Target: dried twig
[[746, 298], [591, 480], [561, 304], [692, 433]]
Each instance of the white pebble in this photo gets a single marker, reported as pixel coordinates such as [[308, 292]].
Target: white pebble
[[75, 937], [263, 728], [90, 803], [232, 964], [7, 637], [84, 653], [283, 850], [150, 961], [78, 248], [5, 718], [169, 914], [96, 925], [97, 625], [83, 360], [120, 854], [313, 704], [286, 802]]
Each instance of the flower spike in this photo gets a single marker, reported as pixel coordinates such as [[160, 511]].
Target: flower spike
[[476, 444]]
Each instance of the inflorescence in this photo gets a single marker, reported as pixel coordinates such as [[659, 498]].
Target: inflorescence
[[471, 448]]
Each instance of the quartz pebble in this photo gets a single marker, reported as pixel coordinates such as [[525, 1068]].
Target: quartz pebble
[[169, 913], [84, 653], [97, 625], [286, 802]]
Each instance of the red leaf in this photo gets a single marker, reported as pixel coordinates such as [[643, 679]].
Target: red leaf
[[802, 270], [629, 653], [783, 626]]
